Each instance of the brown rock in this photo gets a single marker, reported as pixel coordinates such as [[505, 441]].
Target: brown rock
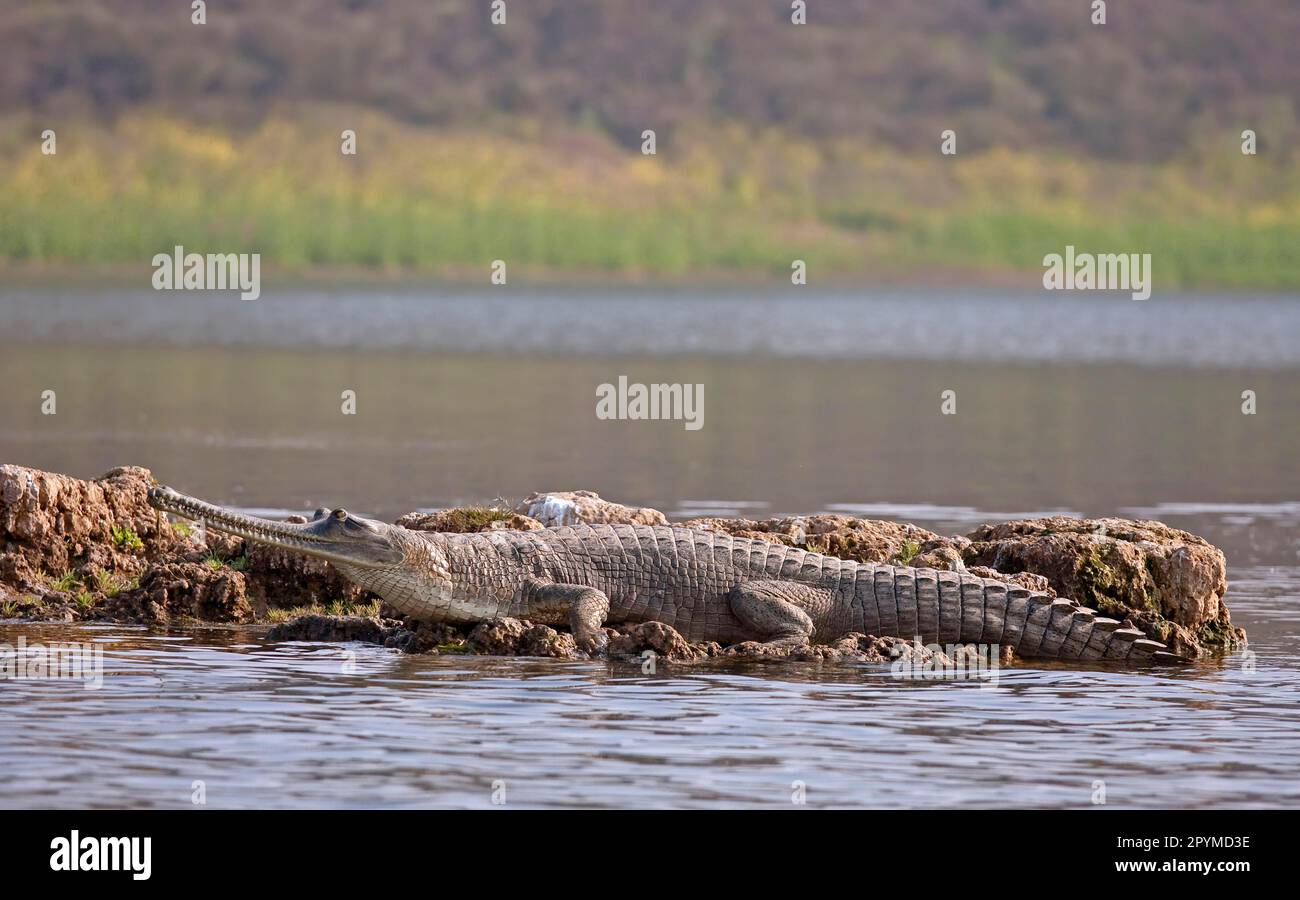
[[943, 557], [1026, 580], [855, 647], [585, 507], [888, 649], [282, 579], [56, 524], [1169, 582], [511, 637], [184, 591], [427, 637], [467, 519], [70, 549], [631, 641], [848, 537], [329, 628]]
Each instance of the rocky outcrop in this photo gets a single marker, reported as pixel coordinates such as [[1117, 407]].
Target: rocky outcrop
[[627, 643], [1167, 582], [634, 641], [847, 537], [67, 545], [180, 591], [1170, 583], [280, 579], [511, 637], [857, 648], [466, 519], [330, 628], [585, 507], [53, 524], [74, 549]]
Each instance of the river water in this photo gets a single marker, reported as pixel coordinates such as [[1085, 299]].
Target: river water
[[1093, 405]]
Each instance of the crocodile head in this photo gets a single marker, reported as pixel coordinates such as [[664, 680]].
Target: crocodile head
[[335, 535]]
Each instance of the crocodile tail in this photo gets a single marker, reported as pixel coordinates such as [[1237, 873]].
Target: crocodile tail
[[957, 608], [1036, 624]]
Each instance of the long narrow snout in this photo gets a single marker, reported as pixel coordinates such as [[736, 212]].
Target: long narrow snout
[[335, 536], [285, 534]]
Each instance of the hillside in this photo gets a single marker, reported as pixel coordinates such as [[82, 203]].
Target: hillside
[[774, 141]]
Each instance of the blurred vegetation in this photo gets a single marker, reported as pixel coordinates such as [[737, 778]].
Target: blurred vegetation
[[776, 142], [449, 202]]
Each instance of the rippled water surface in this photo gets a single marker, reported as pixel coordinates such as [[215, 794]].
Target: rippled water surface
[[836, 409], [286, 725]]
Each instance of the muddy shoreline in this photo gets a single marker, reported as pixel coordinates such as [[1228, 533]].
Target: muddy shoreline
[[94, 550]]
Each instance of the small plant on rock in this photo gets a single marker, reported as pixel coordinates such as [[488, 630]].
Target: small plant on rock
[[108, 584], [908, 552], [126, 539], [64, 583]]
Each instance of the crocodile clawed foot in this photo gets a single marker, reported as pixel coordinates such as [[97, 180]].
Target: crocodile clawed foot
[[593, 643]]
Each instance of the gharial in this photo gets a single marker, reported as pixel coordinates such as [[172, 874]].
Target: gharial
[[709, 586]]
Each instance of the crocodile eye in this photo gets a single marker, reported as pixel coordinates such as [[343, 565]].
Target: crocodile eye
[[340, 514]]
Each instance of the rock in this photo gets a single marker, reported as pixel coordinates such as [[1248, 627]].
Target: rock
[[585, 507], [467, 519], [1170, 583], [69, 547], [1027, 580], [282, 579], [427, 637], [330, 628], [943, 557], [56, 525], [632, 641], [855, 647], [511, 637], [74, 549], [848, 537], [888, 649], [172, 591]]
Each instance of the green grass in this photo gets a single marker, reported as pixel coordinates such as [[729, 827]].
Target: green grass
[[239, 563], [333, 608], [107, 584], [63, 583], [447, 202], [1183, 253]]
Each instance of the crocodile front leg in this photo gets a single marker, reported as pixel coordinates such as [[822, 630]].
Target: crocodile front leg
[[773, 610], [580, 607]]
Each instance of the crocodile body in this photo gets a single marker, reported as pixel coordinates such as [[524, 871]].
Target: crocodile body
[[710, 586]]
